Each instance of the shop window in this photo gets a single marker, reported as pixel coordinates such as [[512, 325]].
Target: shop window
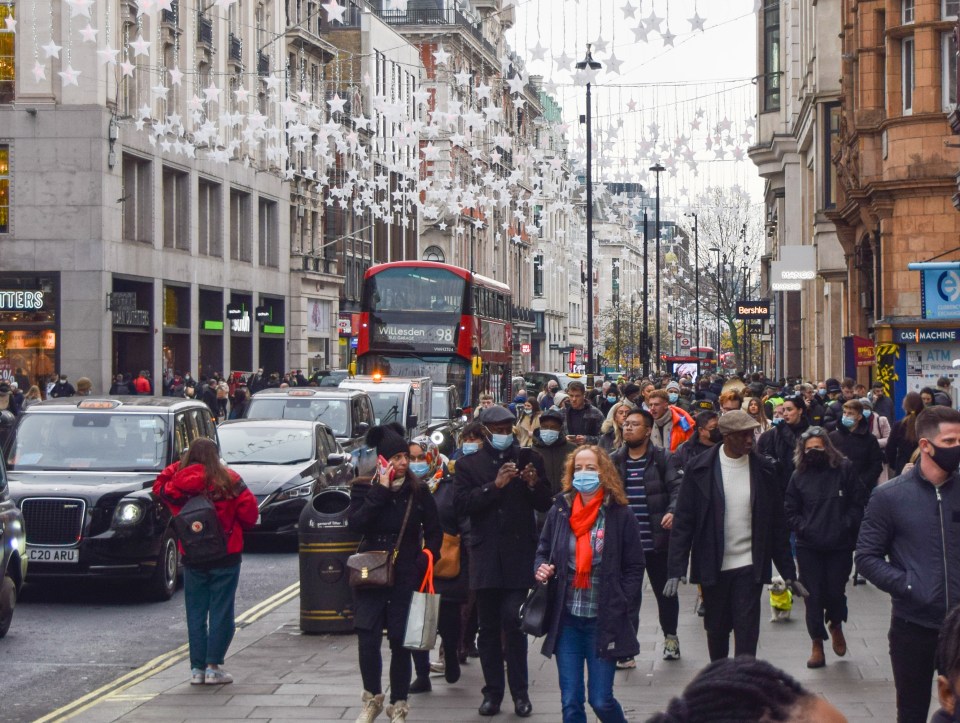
[[4, 189], [269, 243], [948, 70], [538, 275], [8, 61], [176, 209], [907, 76], [907, 11], [209, 239], [831, 139], [240, 226], [137, 199]]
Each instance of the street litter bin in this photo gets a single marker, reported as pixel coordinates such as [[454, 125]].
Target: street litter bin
[[326, 601]]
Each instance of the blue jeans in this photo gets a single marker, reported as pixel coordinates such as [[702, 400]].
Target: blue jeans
[[209, 596], [576, 645]]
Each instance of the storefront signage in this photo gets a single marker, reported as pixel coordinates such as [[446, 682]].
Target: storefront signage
[[796, 264], [926, 336], [21, 300], [758, 309], [343, 327], [209, 325], [864, 353], [940, 294], [554, 347], [524, 348], [263, 313], [234, 311], [272, 329], [123, 306], [241, 325]]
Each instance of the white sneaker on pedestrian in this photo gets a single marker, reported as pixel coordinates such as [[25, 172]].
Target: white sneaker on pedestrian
[[398, 711], [438, 667], [217, 676], [671, 647], [626, 664], [372, 707], [197, 676]]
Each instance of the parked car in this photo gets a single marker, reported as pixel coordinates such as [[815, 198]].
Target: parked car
[[536, 381], [348, 413], [284, 463], [448, 420], [13, 548], [81, 470], [331, 377]]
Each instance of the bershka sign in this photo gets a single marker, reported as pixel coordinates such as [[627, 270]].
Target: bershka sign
[[753, 309], [21, 300]]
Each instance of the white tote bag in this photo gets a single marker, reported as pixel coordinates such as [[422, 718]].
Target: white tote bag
[[421, 632]]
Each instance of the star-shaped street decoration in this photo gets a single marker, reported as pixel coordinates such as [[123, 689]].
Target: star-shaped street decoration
[[482, 91], [79, 7], [176, 75], [70, 76], [140, 46], [600, 45], [652, 21], [51, 49], [668, 38], [336, 104], [11, 24], [696, 22], [641, 33], [39, 72], [628, 10], [241, 94], [160, 91], [89, 34], [335, 11], [462, 78], [516, 84], [613, 64], [563, 61], [537, 52], [631, 104], [127, 68], [441, 56], [211, 93]]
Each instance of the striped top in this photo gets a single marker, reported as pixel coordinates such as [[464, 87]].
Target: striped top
[[637, 497]]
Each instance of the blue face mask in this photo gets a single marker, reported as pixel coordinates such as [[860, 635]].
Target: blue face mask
[[549, 436], [848, 422], [586, 481], [867, 413], [471, 448], [501, 441], [611, 399], [673, 397], [822, 392], [420, 469], [777, 421]]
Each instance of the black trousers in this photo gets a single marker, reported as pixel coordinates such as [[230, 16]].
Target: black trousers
[[732, 605], [913, 656], [500, 639], [371, 665], [824, 574], [668, 608]]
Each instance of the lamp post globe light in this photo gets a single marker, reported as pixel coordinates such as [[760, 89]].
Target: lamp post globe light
[[588, 63], [658, 169]]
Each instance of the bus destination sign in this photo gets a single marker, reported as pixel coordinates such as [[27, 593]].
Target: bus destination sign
[[417, 336]]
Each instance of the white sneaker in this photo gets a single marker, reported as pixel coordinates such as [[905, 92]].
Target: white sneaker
[[197, 676], [217, 676], [372, 707], [671, 648], [398, 711], [437, 667]]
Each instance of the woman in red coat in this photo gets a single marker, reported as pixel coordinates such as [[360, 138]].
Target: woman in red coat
[[210, 586]]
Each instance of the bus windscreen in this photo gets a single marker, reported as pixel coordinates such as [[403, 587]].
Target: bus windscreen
[[408, 288]]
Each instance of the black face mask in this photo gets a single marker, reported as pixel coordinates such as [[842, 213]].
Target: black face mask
[[715, 436], [815, 457], [946, 458]]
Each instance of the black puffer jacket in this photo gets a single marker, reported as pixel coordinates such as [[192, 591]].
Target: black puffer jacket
[[586, 421], [779, 443], [661, 484], [621, 576], [824, 507], [455, 589], [862, 449], [690, 450], [554, 456]]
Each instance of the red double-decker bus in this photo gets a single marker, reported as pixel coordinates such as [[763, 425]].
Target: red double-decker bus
[[422, 318]]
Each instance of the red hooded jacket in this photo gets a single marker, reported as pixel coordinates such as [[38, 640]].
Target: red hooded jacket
[[175, 486]]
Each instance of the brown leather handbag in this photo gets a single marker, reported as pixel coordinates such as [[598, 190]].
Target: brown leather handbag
[[375, 569], [448, 566]]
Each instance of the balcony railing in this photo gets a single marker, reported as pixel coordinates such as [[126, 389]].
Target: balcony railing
[[439, 16], [522, 314], [235, 48], [204, 29], [172, 16]]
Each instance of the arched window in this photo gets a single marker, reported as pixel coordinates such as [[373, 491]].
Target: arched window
[[433, 253]]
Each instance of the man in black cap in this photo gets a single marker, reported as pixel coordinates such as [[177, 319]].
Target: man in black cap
[[500, 487], [631, 393], [730, 515], [553, 446]]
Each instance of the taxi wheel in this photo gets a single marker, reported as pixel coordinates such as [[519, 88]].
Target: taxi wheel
[[163, 583], [8, 601]]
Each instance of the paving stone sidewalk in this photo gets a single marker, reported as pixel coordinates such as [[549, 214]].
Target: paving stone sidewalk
[[282, 675]]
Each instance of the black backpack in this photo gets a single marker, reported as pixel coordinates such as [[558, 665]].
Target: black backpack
[[199, 531]]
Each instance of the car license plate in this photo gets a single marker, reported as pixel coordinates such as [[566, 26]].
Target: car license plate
[[45, 554]]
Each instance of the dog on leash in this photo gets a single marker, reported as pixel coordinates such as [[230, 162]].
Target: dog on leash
[[781, 600]]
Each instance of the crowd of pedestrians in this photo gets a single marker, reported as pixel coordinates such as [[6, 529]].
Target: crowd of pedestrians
[[720, 484]]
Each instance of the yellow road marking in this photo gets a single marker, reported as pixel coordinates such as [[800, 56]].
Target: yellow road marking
[[114, 689]]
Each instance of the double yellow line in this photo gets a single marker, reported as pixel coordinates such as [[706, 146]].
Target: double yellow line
[[115, 688]]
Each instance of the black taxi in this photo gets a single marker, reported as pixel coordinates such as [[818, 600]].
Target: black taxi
[[13, 557], [81, 469]]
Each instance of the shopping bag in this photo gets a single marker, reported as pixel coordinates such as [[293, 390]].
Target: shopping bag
[[421, 632]]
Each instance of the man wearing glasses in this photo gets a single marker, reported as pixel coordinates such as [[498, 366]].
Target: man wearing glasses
[[729, 522]]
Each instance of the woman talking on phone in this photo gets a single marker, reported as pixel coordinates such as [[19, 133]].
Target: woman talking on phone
[[378, 508], [591, 545]]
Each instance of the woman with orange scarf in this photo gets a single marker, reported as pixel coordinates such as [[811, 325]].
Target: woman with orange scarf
[[590, 553]]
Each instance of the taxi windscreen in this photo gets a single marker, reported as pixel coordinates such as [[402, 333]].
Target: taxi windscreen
[[90, 441]]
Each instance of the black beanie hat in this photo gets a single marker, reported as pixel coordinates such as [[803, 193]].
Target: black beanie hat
[[388, 439]]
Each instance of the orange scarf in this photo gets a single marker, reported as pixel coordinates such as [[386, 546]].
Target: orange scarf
[[581, 522]]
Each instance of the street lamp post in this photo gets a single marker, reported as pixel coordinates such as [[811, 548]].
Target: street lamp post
[[646, 300], [658, 169], [716, 249], [589, 63], [745, 288], [696, 283]]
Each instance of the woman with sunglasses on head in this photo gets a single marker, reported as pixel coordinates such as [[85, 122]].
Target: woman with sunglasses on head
[[824, 505], [591, 545], [611, 433]]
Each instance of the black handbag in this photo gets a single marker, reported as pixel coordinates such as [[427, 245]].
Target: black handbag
[[535, 613]]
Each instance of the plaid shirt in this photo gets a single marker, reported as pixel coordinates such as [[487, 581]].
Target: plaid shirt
[[584, 603]]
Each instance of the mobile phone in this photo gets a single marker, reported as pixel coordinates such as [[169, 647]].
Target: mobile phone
[[384, 463]]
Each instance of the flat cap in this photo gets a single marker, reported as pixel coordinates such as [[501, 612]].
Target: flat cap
[[737, 421], [497, 415]]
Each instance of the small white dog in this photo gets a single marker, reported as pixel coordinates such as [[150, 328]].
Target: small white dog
[[781, 600]]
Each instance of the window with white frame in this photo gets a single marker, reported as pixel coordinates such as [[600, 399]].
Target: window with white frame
[[948, 70], [907, 11], [8, 58], [949, 9], [907, 75]]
